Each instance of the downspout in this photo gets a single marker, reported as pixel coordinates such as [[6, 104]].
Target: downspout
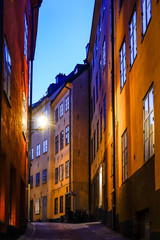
[[113, 124], [89, 133], [1, 64]]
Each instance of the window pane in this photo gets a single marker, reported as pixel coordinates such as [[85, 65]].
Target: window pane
[[151, 101], [146, 107], [151, 123]]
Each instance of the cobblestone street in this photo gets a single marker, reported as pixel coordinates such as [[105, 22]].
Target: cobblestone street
[[60, 231]]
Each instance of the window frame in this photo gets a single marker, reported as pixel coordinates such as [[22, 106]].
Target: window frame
[[122, 64], [38, 150], [38, 179], [61, 204], [56, 205], [67, 169], [67, 130], [56, 175], [61, 140], [147, 20], [124, 141], [67, 103], [56, 144], [45, 146], [44, 176], [61, 110], [132, 36]]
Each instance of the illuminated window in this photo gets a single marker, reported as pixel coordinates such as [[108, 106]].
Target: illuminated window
[[7, 71], [56, 206], [148, 119], [104, 111], [56, 175], [61, 204], [145, 14], [25, 35], [67, 169], [124, 156], [56, 144], [45, 146], [133, 38], [67, 135], [122, 60], [37, 206], [61, 110], [44, 176], [38, 150], [56, 115], [67, 103], [61, 140], [37, 179], [104, 54], [32, 153], [61, 173], [31, 182]]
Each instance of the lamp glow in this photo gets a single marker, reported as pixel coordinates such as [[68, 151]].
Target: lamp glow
[[42, 121]]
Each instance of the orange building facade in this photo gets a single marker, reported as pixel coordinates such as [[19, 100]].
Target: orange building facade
[[16, 33], [136, 112]]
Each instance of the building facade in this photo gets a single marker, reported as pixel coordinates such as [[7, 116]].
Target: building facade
[[69, 153], [133, 145], [16, 32]]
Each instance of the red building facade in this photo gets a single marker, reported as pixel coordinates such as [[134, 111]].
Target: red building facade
[[18, 36]]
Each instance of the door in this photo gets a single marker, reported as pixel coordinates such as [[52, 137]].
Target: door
[[44, 208]]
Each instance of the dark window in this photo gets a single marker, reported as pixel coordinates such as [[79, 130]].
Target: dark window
[[56, 206], [67, 169], [104, 54], [56, 144], [61, 204], [37, 179], [91, 150], [31, 182], [44, 177], [56, 175], [61, 173], [56, 115], [61, 140]]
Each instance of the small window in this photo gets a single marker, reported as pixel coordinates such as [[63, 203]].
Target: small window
[[44, 176], [148, 119], [61, 110], [122, 60], [124, 156], [38, 150], [61, 173], [7, 71], [67, 103], [67, 135], [32, 153], [31, 182], [37, 179], [56, 144], [56, 206], [61, 204], [133, 38], [67, 169], [145, 14], [61, 140], [56, 115], [37, 206], [56, 175], [45, 146]]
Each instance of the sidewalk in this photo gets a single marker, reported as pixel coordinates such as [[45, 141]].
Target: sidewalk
[[30, 229]]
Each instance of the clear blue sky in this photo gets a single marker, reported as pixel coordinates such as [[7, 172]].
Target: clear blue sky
[[63, 33]]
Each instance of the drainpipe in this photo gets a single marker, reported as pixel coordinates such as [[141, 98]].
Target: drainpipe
[[1, 63], [113, 124], [30, 103], [89, 133]]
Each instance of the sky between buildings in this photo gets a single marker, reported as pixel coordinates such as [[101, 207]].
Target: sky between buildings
[[63, 33]]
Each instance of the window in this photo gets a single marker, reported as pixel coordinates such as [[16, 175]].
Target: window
[[56, 115], [104, 111], [45, 146], [124, 156], [38, 150], [56, 206], [37, 206], [148, 120], [67, 135], [61, 110], [120, 4], [61, 140], [97, 87], [101, 125], [31, 182], [25, 35], [56, 175], [133, 38], [37, 179], [104, 54], [97, 135], [145, 14], [94, 144], [56, 144], [100, 78], [32, 153], [67, 169], [122, 55], [94, 100], [61, 173], [67, 103], [44, 176], [61, 204], [7, 71]]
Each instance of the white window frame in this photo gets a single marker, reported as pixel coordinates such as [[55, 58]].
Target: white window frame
[[122, 61], [67, 135], [61, 110], [45, 146], [133, 38], [145, 15], [38, 150], [32, 153], [67, 103]]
